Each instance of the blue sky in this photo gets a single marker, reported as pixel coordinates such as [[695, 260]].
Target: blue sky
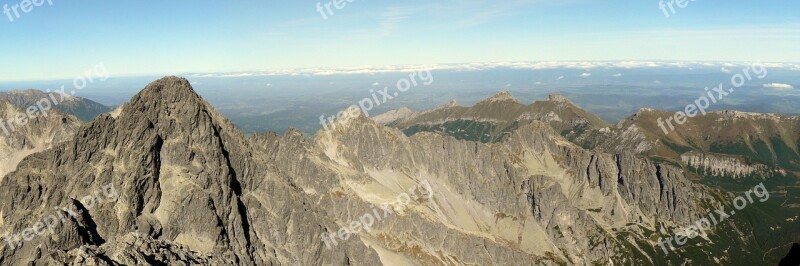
[[173, 37]]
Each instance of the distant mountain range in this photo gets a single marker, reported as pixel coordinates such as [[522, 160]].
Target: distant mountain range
[[492, 119], [767, 143], [540, 184], [81, 108]]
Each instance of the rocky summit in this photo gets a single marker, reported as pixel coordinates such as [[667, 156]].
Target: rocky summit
[[168, 180]]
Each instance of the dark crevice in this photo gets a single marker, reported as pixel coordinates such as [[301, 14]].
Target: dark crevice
[[88, 234], [589, 170], [599, 174], [620, 178], [674, 199], [660, 177]]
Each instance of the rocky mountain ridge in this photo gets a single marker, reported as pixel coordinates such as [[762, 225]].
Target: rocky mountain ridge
[[193, 189], [769, 140], [494, 118], [80, 107]]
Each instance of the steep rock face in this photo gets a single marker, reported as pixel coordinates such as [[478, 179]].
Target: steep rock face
[[21, 135], [534, 198], [184, 175]]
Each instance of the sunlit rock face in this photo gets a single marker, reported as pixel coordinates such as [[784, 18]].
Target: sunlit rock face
[[176, 183]]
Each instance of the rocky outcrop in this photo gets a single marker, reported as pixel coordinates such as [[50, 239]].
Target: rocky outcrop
[[132, 249], [503, 96], [174, 182], [727, 166], [22, 135]]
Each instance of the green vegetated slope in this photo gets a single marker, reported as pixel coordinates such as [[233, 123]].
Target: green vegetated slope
[[493, 118]]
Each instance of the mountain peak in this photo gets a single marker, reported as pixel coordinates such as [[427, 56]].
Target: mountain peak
[[394, 115], [501, 97], [555, 97], [643, 111], [166, 91], [172, 101], [448, 105], [169, 85], [452, 103]]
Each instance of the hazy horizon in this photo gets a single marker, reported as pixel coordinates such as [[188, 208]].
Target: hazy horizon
[[61, 39]]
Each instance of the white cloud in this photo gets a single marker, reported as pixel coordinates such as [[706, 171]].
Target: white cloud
[[375, 84], [559, 77], [778, 86], [725, 70], [269, 84], [586, 75], [238, 75], [617, 75], [540, 65]]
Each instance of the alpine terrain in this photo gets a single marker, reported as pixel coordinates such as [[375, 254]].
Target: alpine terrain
[[166, 180]]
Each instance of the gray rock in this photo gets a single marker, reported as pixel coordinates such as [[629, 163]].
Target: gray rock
[[192, 189]]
